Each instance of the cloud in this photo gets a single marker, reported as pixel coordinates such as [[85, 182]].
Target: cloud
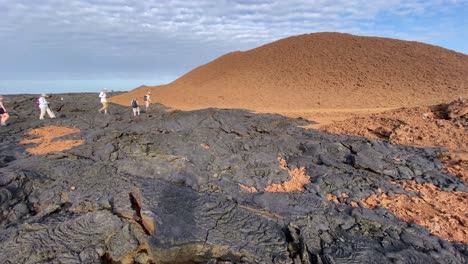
[[175, 36]]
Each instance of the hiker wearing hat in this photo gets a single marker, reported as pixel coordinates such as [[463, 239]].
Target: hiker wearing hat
[[44, 106], [147, 99], [3, 112], [103, 96]]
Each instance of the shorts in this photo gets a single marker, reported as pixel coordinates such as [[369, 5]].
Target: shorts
[[2, 111], [104, 104]]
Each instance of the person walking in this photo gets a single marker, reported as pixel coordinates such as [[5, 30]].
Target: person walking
[[3, 112], [44, 106], [135, 107], [103, 96], [147, 99]]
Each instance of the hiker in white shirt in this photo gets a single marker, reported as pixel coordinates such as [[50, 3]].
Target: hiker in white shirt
[[44, 106], [103, 96], [147, 99]]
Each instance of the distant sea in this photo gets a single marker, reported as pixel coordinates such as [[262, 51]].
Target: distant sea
[[71, 86]]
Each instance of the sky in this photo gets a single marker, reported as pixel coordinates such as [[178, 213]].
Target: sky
[[85, 45]]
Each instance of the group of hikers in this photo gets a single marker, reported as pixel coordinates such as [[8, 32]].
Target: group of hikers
[[134, 103], [44, 106], [41, 103], [136, 106]]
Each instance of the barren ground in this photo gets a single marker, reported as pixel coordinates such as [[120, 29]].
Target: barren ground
[[446, 126]]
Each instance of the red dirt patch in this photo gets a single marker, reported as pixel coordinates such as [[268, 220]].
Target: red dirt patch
[[446, 125], [332, 198], [250, 189], [299, 179], [443, 213], [44, 137]]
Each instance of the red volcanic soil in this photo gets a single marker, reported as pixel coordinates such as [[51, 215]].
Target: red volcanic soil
[[298, 180], [443, 213], [45, 137], [319, 71], [443, 125]]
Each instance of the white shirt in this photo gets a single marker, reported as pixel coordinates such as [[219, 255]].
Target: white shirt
[[103, 96], [42, 102]]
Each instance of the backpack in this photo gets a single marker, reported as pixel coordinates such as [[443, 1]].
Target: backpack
[[145, 98], [134, 103], [38, 103]]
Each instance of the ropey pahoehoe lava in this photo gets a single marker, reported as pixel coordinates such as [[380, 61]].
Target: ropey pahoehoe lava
[[165, 187]]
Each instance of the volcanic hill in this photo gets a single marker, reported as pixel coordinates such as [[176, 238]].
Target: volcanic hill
[[319, 71]]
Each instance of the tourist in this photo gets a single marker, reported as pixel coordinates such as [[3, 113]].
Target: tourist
[[147, 99], [3, 112], [103, 96], [44, 106], [135, 107]]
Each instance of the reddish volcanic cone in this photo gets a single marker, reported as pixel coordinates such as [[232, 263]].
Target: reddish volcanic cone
[[320, 71]]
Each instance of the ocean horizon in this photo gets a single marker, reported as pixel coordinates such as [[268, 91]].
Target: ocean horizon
[[72, 86]]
